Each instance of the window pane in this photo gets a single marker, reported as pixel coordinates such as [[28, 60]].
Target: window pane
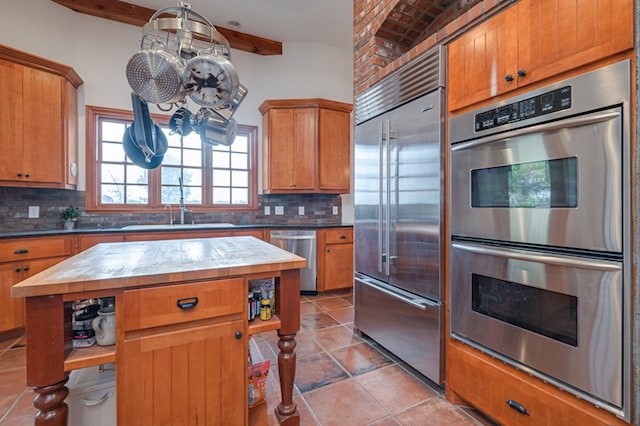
[[192, 177], [112, 131], [170, 175], [240, 196], [221, 196], [136, 174], [238, 161], [170, 195], [220, 160], [112, 173], [137, 194], [192, 140], [112, 194], [240, 178], [221, 177], [193, 195], [240, 144], [113, 152], [192, 158], [172, 157]]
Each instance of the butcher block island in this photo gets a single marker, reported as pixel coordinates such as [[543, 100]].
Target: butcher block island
[[181, 328]]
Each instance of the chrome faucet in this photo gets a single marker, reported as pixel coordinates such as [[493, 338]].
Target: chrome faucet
[[170, 213], [183, 209]]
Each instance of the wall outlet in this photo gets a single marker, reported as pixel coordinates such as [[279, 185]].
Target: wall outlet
[[267, 210], [300, 210], [335, 210], [34, 212], [279, 210]]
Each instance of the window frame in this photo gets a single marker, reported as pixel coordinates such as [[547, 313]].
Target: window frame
[[92, 181]]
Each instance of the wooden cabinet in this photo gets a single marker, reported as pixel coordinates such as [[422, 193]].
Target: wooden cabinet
[[495, 388], [183, 354], [532, 41], [19, 259], [38, 146], [306, 146], [335, 259]]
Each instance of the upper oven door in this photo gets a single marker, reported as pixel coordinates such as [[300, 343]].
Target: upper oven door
[[554, 184]]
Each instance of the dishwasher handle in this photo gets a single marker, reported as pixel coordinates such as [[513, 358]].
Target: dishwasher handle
[[292, 237]]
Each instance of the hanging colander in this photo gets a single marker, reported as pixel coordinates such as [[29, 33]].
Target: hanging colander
[[156, 76]]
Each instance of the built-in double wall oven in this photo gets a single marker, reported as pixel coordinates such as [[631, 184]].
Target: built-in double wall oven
[[540, 224]]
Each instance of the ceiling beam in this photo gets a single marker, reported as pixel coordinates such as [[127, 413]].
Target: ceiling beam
[[128, 13]]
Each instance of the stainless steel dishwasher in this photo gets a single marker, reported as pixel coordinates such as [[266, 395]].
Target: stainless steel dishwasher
[[303, 243]]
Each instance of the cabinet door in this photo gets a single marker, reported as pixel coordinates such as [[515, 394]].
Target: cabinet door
[[11, 310], [291, 149], [338, 266], [43, 135], [481, 60], [557, 36], [334, 150], [190, 376], [11, 120]]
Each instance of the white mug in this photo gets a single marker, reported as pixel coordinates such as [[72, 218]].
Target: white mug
[[105, 326]]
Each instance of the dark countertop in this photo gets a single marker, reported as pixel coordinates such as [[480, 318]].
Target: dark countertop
[[80, 231]]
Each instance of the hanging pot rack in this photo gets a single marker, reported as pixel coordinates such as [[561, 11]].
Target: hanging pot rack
[[185, 56]]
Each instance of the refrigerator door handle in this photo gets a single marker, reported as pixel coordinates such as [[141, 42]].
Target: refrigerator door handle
[[420, 303], [380, 201], [387, 233]]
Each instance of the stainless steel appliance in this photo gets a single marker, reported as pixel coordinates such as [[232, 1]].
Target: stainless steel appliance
[[398, 213], [540, 224], [303, 243]]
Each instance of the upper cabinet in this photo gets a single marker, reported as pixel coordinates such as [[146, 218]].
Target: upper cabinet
[[306, 146], [534, 40], [38, 144]]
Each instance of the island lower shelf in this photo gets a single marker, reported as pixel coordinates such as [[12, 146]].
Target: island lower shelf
[[96, 355]]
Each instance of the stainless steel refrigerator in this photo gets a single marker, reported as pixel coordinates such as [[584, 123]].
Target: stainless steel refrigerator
[[398, 197]]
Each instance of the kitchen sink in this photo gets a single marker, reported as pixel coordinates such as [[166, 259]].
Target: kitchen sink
[[166, 226]]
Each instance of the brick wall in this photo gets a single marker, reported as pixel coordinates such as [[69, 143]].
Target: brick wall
[[389, 33], [15, 204]]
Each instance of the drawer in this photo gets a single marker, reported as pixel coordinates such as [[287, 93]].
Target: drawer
[[336, 236], [171, 304], [35, 248]]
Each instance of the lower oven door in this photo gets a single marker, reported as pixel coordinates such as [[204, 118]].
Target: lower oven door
[[556, 316]]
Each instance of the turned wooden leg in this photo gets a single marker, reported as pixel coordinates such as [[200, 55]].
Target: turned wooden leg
[[287, 412], [49, 400]]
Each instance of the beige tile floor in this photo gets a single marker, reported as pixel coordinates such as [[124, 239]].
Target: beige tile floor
[[341, 378]]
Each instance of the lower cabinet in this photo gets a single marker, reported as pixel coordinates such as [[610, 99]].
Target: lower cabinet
[[512, 397], [19, 259], [183, 349], [335, 259]]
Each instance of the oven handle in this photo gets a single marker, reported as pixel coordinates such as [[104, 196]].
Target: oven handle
[[563, 124], [550, 259], [380, 192]]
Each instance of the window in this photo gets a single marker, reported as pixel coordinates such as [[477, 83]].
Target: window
[[214, 177]]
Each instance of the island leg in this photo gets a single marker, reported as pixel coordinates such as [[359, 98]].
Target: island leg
[[48, 332], [288, 305]]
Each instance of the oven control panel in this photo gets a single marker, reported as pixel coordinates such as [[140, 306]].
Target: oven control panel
[[536, 106]]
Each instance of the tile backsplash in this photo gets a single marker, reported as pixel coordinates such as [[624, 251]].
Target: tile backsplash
[[14, 211]]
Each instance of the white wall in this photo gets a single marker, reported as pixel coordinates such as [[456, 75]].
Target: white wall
[[98, 50]]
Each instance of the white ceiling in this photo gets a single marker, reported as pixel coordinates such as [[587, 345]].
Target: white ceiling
[[324, 21]]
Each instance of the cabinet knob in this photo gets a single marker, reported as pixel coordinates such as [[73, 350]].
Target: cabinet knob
[[18, 269], [19, 174], [508, 77], [21, 251], [27, 175], [26, 268], [238, 335], [522, 73]]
